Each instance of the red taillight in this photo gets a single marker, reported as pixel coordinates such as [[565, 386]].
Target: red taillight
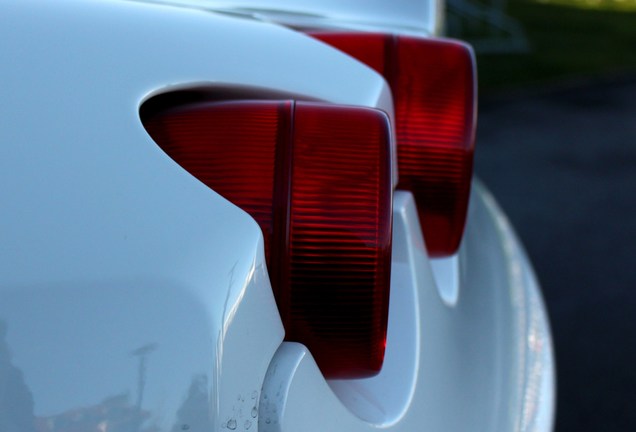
[[317, 179], [434, 91]]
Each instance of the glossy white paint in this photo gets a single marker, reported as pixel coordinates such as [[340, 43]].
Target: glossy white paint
[[130, 292], [446, 273], [484, 363], [424, 17]]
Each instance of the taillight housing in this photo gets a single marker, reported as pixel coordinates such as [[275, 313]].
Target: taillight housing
[[433, 82], [317, 179]]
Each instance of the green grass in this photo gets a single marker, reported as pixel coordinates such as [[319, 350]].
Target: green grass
[[616, 5], [568, 39]]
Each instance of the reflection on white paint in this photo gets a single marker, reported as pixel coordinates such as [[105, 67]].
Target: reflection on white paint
[[536, 358]]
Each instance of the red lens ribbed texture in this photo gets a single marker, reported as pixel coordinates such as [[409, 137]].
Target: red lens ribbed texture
[[317, 179], [434, 91], [231, 148], [339, 237]]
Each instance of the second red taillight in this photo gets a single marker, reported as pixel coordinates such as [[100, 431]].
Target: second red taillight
[[317, 179], [433, 82]]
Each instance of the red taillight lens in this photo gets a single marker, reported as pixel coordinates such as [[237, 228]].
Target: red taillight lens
[[434, 90], [317, 179]]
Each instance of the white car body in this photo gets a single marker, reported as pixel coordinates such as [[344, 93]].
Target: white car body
[[134, 298]]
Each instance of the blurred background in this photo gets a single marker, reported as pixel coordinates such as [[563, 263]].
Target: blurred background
[[557, 145]]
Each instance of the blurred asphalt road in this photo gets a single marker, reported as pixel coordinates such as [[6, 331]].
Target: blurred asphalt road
[[562, 164]]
